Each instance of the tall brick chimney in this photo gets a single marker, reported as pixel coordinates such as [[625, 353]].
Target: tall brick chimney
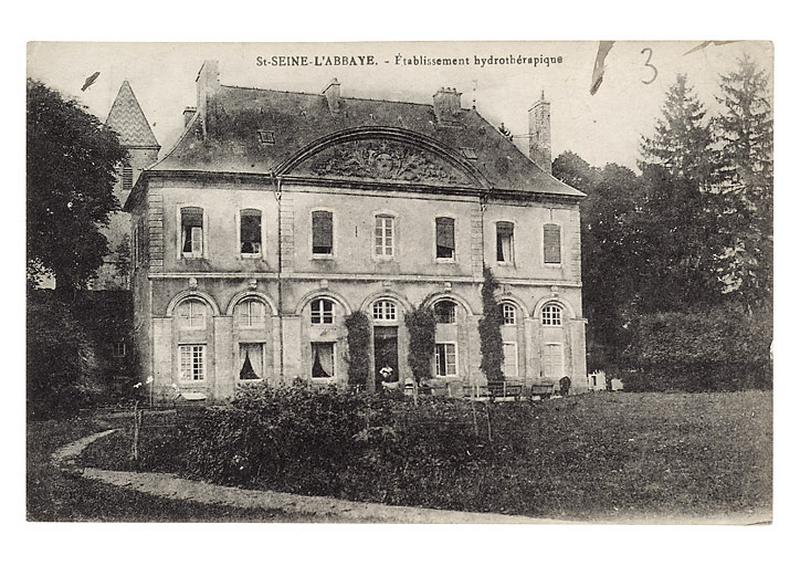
[[447, 105], [207, 88], [539, 131]]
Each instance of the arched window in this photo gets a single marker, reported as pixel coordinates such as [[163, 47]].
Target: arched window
[[250, 313], [509, 314], [192, 314], [384, 310], [445, 312], [322, 311], [551, 315]]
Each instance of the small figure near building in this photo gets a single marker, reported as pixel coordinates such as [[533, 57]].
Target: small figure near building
[[564, 385]]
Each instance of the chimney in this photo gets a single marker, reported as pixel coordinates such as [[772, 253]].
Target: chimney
[[333, 93], [188, 114], [447, 105], [207, 87], [539, 130]]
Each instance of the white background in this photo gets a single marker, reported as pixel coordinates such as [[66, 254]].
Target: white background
[[36, 543]]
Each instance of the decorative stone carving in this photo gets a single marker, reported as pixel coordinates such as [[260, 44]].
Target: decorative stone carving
[[323, 283], [385, 159], [252, 284], [193, 283]]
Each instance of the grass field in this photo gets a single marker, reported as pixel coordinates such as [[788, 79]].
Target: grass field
[[602, 456]]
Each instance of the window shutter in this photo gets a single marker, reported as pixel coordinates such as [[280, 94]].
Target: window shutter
[[552, 243], [322, 229]]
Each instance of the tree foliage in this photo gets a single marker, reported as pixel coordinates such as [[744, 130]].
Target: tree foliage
[[71, 163], [745, 176], [63, 372], [421, 326], [489, 329], [358, 337]]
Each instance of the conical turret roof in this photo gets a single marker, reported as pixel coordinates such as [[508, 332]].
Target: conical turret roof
[[128, 120]]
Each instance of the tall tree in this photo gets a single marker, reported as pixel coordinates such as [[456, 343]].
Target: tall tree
[[745, 132], [71, 162], [680, 231]]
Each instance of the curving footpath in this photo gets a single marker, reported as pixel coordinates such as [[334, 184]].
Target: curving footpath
[[317, 508]]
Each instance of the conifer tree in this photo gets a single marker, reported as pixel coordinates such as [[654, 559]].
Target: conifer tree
[[745, 132], [679, 227]]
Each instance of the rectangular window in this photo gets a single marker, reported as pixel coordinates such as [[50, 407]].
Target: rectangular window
[[250, 232], [193, 362], [445, 238], [119, 349], [192, 231], [505, 242], [384, 235], [322, 360], [552, 243], [553, 361], [445, 360], [322, 232], [251, 361], [510, 359]]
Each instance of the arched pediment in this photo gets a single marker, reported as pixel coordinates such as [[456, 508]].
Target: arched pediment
[[383, 155]]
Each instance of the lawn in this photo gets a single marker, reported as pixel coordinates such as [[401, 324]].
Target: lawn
[[600, 456]]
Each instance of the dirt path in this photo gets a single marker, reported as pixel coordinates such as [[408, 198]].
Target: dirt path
[[317, 509]]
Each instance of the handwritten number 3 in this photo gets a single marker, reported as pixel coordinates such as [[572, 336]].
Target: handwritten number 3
[[649, 64]]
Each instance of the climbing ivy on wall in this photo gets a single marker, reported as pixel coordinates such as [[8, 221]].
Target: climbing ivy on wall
[[358, 338], [422, 339], [489, 330]]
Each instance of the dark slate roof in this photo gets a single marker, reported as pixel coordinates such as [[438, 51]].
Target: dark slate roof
[[128, 120], [299, 119]]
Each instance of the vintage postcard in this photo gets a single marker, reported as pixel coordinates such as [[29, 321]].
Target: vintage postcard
[[477, 282]]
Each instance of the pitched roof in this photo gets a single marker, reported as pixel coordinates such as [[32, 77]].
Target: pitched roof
[[128, 120], [298, 119]]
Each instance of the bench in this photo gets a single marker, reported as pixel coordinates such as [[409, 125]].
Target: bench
[[543, 390], [503, 389]]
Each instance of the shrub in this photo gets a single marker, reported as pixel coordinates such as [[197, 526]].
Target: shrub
[[422, 342], [358, 338], [722, 349]]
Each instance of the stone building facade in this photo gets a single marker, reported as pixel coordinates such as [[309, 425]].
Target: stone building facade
[[278, 214]]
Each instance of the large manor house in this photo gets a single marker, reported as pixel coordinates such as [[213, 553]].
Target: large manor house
[[276, 215]]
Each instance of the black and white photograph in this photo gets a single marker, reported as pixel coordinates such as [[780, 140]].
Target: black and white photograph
[[400, 282]]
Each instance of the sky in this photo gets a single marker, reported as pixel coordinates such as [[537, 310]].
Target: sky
[[601, 128]]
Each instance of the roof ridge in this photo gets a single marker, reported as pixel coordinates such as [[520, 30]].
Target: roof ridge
[[322, 95]]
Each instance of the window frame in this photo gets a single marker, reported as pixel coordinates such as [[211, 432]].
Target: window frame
[[204, 366], [455, 310], [382, 255], [239, 361], [514, 310], [563, 364], [179, 232], [505, 262], [560, 262], [383, 318], [334, 345], [322, 256], [436, 257], [249, 300], [445, 343], [189, 301], [516, 358], [261, 229], [550, 320], [322, 313], [119, 352]]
